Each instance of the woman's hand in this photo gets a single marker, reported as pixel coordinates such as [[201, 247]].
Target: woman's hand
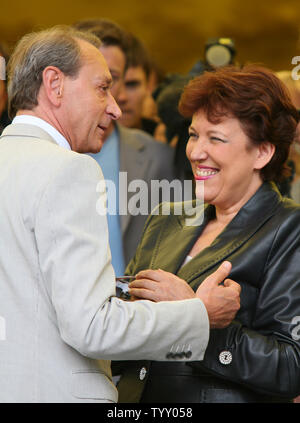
[[158, 285]]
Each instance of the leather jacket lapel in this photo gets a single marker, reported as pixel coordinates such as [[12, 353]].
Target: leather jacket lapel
[[255, 213], [176, 240]]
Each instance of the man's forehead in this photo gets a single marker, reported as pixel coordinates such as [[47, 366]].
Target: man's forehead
[[91, 56], [135, 72]]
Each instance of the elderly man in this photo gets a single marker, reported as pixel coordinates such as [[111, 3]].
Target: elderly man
[[58, 310]]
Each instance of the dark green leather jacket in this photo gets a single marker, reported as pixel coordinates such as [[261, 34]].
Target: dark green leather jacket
[[263, 244]]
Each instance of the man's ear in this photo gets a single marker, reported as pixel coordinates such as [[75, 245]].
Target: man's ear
[[266, 151], [53, 81]]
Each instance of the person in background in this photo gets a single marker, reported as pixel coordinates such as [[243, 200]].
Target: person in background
[[294, 89], [135, 96], [125, 150], [243, 123]]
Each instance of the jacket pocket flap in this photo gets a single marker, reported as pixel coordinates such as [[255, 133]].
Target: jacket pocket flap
[[92, 384]]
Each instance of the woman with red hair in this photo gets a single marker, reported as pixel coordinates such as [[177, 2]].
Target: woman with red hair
[[243, 123]]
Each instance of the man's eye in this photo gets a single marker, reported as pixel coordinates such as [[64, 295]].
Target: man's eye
[[132, 84], [104, 88]]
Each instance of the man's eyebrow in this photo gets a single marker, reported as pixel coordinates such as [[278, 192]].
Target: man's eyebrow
[[104, 80], [133, 82]]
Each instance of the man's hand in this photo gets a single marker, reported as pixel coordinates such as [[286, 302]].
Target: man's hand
[[158, 285], [221, 302]]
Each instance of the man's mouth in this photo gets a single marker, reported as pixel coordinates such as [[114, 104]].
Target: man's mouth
[[102, 127]]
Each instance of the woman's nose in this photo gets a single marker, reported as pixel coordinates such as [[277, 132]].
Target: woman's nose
[[198, 151]]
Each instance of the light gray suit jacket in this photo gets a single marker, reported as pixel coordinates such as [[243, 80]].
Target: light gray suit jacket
[[145, 159], [58, 312]]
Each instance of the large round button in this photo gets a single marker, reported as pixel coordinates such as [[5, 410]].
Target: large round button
[[225, 357], [143, 373]]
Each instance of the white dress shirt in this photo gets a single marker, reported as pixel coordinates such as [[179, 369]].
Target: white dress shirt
[[54, 133]]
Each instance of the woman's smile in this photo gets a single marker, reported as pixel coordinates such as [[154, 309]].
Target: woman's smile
[[204, 172]]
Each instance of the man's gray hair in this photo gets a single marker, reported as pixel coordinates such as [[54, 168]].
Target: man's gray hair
[[57, 46]]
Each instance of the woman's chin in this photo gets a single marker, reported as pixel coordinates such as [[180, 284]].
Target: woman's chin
[[199, 190]]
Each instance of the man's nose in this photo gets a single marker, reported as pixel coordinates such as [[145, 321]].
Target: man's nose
[[113, 109]]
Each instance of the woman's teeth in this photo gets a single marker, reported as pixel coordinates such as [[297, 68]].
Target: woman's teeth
[[205, 172]]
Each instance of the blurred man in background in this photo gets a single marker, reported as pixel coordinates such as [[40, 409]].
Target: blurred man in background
[[135, 95], [125, 150]]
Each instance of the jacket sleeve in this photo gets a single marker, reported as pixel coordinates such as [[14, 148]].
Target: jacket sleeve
[[266, 358], [74, 259]]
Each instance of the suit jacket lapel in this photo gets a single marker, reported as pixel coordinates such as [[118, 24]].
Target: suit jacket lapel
[[173, 247], [132, 161]]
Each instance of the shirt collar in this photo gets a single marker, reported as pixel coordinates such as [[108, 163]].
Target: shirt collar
[[54, 133]]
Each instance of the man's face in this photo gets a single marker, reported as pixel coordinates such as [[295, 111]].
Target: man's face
[[116, 61], [132, 96], [87, 106]]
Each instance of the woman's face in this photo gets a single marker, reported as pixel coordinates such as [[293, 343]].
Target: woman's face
[[224, 160]]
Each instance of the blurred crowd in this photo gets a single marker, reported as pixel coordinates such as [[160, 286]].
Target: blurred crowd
[[148, 96]]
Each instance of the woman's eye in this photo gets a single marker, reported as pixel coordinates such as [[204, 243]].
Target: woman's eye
[[192, 135], [217, 139]]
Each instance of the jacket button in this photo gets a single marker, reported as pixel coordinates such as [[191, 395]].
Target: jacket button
[[143, 373], [225, 357]]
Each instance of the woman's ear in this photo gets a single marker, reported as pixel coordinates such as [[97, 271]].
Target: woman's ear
[[266, 151]]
